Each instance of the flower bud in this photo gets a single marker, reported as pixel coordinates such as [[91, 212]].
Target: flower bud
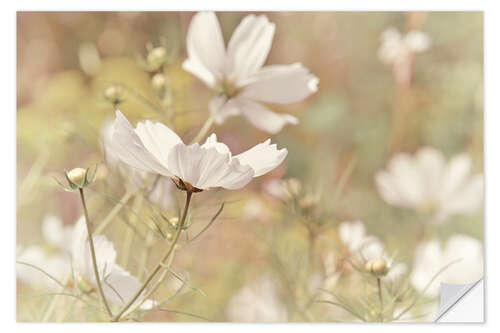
[[77, 176], [377, 266], [170, 236], [159, 82], [291, 187], [157, 57], [114, 94], [174, 221]]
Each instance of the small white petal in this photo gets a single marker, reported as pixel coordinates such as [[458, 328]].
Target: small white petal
[[263, 118], [263, 157], [205, 48], [352, 234], [280, 84], [249, 46]]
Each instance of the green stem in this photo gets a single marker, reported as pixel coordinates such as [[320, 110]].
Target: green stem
[[92, 252], [204, 129], [381, 299], [160, 264], [116, 209]]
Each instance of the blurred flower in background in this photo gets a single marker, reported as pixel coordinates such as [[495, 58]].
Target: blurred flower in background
[[238, 75], [461, 260], [426, 183]]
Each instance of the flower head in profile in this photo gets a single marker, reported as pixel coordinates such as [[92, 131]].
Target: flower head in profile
[[161, 191], [369, 251], [153, 147], [118, 285], [257, 301], [427, 183], [461, 261], [397, 50], [237, 73]]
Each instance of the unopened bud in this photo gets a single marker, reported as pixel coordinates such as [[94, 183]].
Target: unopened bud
[[170, 237], [159, 82], [291, 187], [77, 176], [156, 57], [174, 221], [377, 266], [114, 94]]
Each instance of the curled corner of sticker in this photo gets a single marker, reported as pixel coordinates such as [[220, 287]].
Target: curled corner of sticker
[[461, 303]]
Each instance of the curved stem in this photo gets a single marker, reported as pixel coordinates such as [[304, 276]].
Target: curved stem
[[160, 264], [92, 252]]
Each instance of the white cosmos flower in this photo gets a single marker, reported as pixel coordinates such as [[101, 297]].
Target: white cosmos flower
[[162, 193], [397, 50], [119, 286], [238, 73], [55, 262], [153, 147], [430, 258], [365, 247], [258, 301], [56, 265], [426, 183]]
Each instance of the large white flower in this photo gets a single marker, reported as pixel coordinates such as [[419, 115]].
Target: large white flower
[[153, 147], [119, 286], [257, 302], [425, 182], [430, 258], [238, 75]]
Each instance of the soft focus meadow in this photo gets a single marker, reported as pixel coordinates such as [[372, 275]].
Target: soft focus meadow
[[368, 195]]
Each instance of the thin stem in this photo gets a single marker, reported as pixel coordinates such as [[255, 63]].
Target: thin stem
[[204, 129], [380, 298], [116, 209], [160, 264], [92, 252]]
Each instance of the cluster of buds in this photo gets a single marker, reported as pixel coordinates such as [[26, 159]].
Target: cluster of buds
[[79, 178]]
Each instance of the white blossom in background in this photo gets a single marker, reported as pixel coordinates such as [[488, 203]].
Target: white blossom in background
[[364, 247], [425, 182], [55, 262], [397, 50], [431, 257], [163, 192], [119, 286], [238, 73], [258, 301], [153, 147]]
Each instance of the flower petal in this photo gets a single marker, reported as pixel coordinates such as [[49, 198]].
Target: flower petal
[[249, 46], [205, 48], [129, 147], [158, 139], [281, 84], [263, 118], [204, 168], [262, 158], [119, 286]]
